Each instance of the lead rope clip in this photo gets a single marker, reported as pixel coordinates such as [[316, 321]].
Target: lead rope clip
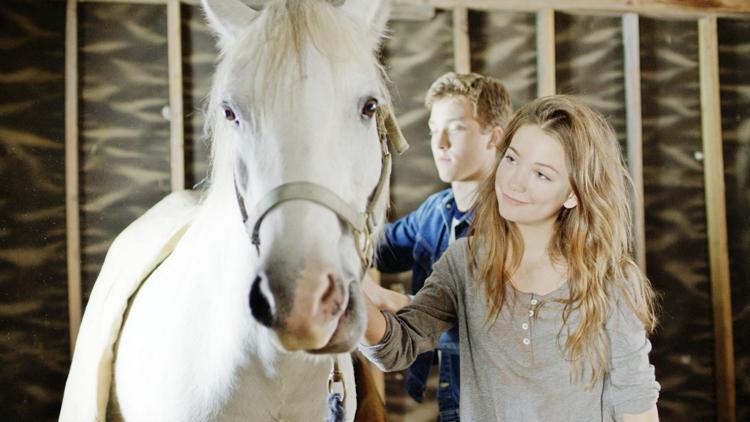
[[336, 410]]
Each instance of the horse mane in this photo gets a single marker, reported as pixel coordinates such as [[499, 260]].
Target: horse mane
[[271, 50]]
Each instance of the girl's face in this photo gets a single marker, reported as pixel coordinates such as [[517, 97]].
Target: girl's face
[[532, 183]]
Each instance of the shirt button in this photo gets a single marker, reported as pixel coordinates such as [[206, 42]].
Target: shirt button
[[526, 341], [534, 301], [531, 312], [448, 206], [525, 326]]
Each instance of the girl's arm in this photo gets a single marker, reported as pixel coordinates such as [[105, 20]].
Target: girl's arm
[[632, 382], [651, 415], [393, 341]]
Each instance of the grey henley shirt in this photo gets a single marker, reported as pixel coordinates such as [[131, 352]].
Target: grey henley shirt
[[515, 369]]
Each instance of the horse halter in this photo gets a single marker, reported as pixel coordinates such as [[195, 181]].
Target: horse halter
[[362, 224]]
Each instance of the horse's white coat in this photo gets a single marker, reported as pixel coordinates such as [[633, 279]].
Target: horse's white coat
[[190, 348]]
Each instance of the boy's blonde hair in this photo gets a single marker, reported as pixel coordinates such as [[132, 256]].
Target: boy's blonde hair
[[491, 101]]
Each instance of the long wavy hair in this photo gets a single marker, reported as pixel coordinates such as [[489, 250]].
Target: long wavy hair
[[593, 238]]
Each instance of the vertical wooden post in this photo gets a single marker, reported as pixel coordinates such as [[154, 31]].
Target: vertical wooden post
[[176, 126], [545, 52], [716, 217], [632, 63], [72, 216], [461, 46]]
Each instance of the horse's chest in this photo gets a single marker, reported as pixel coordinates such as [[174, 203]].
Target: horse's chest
[[296, 392]]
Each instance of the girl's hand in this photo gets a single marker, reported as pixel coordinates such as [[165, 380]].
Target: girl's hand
[[376, 324], [382, 298]]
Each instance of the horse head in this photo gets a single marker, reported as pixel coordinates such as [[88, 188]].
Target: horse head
[[294, 116]]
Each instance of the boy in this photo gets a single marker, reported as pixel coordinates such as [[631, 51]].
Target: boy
[[467, 115]]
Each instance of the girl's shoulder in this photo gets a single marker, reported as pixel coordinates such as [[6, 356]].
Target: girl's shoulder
[[457, 251], [454, 260]]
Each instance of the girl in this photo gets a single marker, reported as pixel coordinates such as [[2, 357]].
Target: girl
[[552, 311]]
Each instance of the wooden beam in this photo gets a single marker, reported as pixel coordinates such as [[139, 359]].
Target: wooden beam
[[659, 8], [461, 46], [545, 53], [176, 125], [685, 9], [716, 218], [399, 11], [634, 128], [72, 208]]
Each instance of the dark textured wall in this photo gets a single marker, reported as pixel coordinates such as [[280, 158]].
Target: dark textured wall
[[34, 345], [676, 243], [415, 55], [734, 61], [589, 55], [503, 45], [124, 138], [199, 55]]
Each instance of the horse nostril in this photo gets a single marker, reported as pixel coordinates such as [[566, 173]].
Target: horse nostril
[[330, 290], [331, 299], [259, 305]]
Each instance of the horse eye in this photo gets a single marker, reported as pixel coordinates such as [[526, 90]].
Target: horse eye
[[370, 107], [229, 114]]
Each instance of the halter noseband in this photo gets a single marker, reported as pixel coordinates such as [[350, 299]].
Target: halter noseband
[[362, 224]]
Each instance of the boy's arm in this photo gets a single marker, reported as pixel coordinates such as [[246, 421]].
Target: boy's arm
[[396, 248]]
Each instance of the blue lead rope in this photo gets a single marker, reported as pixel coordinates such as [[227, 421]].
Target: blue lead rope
[[336, 411]]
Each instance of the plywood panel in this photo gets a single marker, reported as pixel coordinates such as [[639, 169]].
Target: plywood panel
[[416, 54], [734, 62], [503, 45], [677, 255], [199, 56], [590, 65], [34, 339], [124, 135]]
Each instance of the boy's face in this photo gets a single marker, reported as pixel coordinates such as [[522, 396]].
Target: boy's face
[[461, 149]]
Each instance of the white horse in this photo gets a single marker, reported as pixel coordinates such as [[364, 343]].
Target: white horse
[[222, 329]]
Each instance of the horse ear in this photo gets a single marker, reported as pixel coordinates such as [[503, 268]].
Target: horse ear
[[373, 14], [228, 17]]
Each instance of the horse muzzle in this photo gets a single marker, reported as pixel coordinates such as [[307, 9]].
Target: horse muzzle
[[310, 315]]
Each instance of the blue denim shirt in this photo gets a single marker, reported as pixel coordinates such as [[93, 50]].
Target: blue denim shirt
[[415, 242]]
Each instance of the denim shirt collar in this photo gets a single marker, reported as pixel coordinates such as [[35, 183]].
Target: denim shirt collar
[[449, 210]]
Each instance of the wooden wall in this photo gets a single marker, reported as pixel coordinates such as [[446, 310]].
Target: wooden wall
[[34, 346], [734, 58]]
